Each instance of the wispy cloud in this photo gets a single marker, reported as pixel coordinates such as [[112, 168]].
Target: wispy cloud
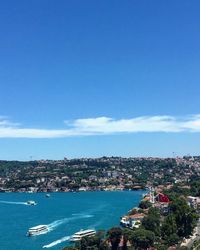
[[104, 126]]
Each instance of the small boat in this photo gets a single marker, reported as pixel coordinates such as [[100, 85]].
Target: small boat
[[37, 230], [48, 195], [31, 203], [82, 233]]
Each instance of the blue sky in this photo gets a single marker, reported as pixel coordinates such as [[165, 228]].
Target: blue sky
[[92, 78]]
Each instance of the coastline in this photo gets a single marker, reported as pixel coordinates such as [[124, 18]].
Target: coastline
[[77, 191]]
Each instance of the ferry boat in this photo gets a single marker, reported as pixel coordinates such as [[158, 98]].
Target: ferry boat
[[82, 233], [37, 230], [31, 203]]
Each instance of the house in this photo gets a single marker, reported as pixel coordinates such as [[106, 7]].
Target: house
[[162, 198], [193, 201], [163, 207], [135, 220]]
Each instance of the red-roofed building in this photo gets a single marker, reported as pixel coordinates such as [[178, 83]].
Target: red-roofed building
[[162, 198]]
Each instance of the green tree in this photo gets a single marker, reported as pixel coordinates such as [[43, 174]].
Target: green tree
[[185, 217], [169, 226], [114, 235], [152, 221], [83, 244], [90, 243], [143, 239], [70, 248], [145, 204], [195, 188], [100, 233], [104, 246], [128, 233], [172, 239]]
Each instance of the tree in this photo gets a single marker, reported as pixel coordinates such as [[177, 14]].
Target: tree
[[70, 248], [152, 221], [114, 235], [104, 246], [169, 226], [145, 204], [100, 233], [83, 243], [142, 238], [185, 217], [195, 188], [90, 243], [128, 233], [133, 211], [172, 239]]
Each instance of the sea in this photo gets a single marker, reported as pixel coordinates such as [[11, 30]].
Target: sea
[[64, 213]]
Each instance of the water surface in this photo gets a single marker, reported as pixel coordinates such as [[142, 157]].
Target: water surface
[[64, 213]]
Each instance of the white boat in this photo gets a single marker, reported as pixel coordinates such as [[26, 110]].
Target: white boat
[[48, 195], [31, 203], [82, 233], [37, 230]]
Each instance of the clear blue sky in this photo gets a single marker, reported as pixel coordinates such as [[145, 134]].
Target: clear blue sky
[[68, 60]]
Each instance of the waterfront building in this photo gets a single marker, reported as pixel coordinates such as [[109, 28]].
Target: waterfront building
[[135, 220]]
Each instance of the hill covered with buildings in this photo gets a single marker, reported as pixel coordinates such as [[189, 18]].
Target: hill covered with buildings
[[105, 173]]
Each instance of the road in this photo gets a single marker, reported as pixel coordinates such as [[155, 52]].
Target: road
[[195, 237]]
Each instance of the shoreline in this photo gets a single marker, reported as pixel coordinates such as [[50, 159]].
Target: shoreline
[[86, 191]]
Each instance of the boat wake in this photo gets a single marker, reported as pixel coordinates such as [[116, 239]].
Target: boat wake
[[57, 223], [56, 242], [14, 203], [96, 225]]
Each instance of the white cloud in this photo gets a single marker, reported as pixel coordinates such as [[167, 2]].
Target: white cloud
[[104, 125]]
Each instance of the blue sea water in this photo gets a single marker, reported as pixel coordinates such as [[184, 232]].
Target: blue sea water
[[64, 213]]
